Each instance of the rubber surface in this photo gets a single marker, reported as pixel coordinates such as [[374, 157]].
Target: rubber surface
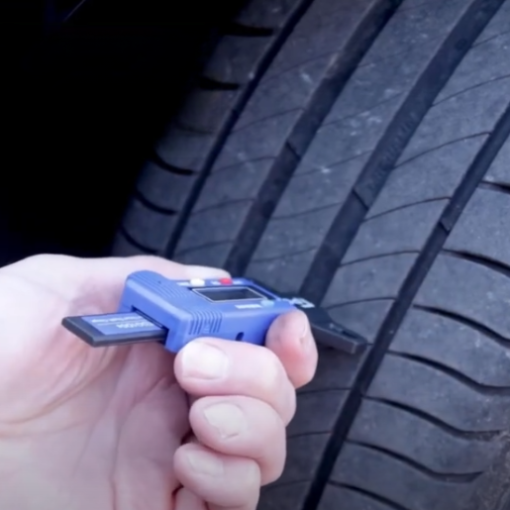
[[359, 152]]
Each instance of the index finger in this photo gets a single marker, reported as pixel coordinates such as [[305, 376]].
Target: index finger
[[98, 280]]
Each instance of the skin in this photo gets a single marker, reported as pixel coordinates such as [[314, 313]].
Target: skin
[[135, 427]]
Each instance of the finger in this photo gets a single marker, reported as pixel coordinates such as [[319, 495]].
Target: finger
[[99, 280], [290, 338], [186, 500], [214, 367], [222, 481], [242, 427]]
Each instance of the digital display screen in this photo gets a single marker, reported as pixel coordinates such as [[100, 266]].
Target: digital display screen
[[229, 293]]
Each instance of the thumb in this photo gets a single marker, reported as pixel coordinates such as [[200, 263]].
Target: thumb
[[290, 338]]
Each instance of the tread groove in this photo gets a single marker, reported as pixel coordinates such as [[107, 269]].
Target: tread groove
[[405, 206], [424, 262], [492, 186], [247, 162], [134, 242], [240, 30], [385, 156], [465, 321], [354, 115], [390, 504], [138, 195], [356, 301], [206, 83], [379, 256], [156, 159], [278, 257], [445, 427], [225, 130], [454, 374], [274, 186], [481, 43], [209, 208], [203, 246], [335, 163], [463, 91], [438, 147], [265, 119], [443, 477], [491, 264]]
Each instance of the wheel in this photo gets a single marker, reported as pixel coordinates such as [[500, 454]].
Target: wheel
[[358, 153]]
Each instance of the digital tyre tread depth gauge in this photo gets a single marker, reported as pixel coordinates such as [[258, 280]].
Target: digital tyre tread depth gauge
[[174, 312]]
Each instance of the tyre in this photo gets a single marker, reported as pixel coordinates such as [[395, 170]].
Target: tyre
[[358, 153]]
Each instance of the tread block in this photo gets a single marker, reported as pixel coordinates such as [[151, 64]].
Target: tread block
[[365, 317], [466, 114], [406, 229], [350, 499], [216, 225], [238, 182], [454, 345], [285, 235], [164, 188], [348, 138], [327, 186], [286, 272], [248, 144], [184, 149], [469, 290], [335, 371], [236, 58], [410, 436], [207, 110], [303, 456], [310, 42], [483, 63], [212, 255], [316, 412], [148, 227], [436, 174], [420, 32], [284, 497], [396, 481], [121, 247], [379, 278], [499, 172], [439, 395], [484, 227], [285, 92], [268, 14]]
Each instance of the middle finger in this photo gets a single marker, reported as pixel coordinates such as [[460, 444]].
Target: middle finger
[[214, 367]]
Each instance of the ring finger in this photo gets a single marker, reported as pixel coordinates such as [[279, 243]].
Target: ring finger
[[242, 427]]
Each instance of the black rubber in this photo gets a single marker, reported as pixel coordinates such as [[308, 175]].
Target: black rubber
[[359, 153]]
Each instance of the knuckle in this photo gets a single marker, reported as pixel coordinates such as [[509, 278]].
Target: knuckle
[[273, 374]]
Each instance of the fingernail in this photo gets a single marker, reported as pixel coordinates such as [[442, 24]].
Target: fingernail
[[205, 463], [305, 335], [229, 420], [203, 361], [206, 272]]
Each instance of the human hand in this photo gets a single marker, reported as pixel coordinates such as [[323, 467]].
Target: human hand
[[112, 428]]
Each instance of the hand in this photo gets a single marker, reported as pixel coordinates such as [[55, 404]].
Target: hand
[[112, 428]]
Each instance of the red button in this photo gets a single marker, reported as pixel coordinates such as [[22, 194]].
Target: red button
[[226, 281]]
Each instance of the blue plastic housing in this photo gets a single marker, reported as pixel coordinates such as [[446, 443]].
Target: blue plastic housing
[[180, 308]]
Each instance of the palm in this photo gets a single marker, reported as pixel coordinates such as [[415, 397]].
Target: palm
[[99, 427]]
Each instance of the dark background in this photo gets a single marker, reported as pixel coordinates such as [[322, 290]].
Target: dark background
[[82, 103]]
